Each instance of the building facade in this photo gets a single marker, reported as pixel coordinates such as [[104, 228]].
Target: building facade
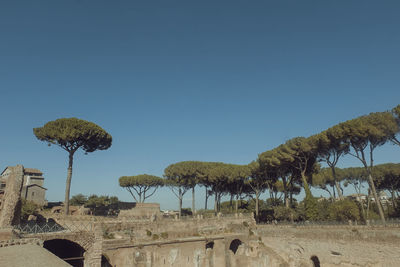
[[32, 188]]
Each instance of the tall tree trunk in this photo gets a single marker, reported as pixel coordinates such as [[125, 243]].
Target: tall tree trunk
[[237, 204], [334, 193], [231, 203], [257, 193], [193, 202], [377, 200], [305, 184], [205, 206], [215, 203], [393, 199], [219, 202], [257, 208], [368, 202], [180, 202], [68, 183], [285, 191], [340, 195]]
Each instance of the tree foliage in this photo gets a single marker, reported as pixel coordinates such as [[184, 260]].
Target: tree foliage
[[78, 200], [140, 185], [72, 134]]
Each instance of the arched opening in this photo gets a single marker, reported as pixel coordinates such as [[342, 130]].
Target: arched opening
[[69, 251], [210, 245], [105, 261], [315, 261], [235, 245]]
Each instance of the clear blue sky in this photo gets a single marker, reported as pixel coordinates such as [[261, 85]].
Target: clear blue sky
[[188, 80]]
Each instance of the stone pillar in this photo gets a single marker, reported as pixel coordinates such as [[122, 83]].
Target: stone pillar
[[11, 208], [93, 256]]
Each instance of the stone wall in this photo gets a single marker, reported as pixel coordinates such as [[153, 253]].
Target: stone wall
[[11, 204], [140, 230], [334, 245], [142, 210]]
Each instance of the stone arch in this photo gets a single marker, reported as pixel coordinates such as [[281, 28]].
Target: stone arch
[[84, 239], [235, 245], [315, 261], [105, 261], [69, 251], [210, 245]]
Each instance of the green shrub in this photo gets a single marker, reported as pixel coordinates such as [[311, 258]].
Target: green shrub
[[107, 234], [186, 212], [282, 213], [311, 208], [155, 237], [164, 235], [28, 208], [372, 215], [344, 210], [323, 210], [148, 233]]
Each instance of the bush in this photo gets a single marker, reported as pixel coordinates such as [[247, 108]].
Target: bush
[[107, 234], [282, 213], [310, 208], [78, 200], [28, 208], [323, 210], [372, 215], [344, 210], [148, 233], [186, 212], [164, 235]]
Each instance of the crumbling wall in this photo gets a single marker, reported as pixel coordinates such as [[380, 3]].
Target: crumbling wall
[[142, 210], [334, 245], [11, 205]]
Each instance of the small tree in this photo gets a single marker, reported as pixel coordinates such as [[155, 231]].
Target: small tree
[[71, 134], [330, 148], [78, 200], [258, 182], [141, 184]]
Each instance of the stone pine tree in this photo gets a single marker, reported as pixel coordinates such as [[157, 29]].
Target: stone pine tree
[[364, 134], [396, 114], [141, 185], [71, 134], [331, 148]]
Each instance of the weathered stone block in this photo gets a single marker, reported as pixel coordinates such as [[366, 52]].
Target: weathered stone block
[[11, 207]]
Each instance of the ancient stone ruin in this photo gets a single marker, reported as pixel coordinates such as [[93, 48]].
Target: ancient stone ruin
[[11, 204]]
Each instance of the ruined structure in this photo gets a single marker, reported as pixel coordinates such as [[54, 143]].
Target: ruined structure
[[142, 211], [32, 185], [11, 203], [222, 241]]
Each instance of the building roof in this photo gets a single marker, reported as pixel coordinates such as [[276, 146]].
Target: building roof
[[37, 186], [29, 255], [30, 170], [4, 170]]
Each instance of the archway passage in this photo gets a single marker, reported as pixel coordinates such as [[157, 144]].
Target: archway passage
[[210, 245], [235, 245], [69, 251]]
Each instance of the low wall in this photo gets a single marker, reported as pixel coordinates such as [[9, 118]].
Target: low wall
[[334, 245]]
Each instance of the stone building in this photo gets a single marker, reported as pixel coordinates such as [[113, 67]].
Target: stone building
[[32, 188]]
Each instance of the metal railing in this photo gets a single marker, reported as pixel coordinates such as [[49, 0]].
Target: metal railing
[[52, 227]]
